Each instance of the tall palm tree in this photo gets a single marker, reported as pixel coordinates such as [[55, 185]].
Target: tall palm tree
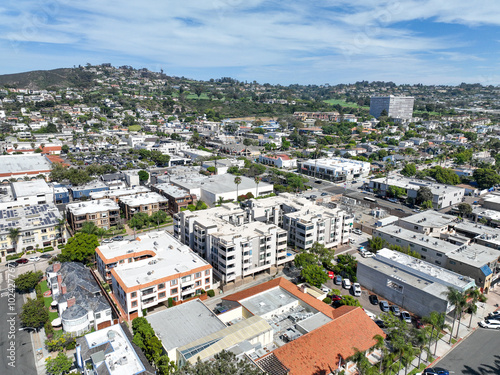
[[408, 354], [257, 181], [89, 227], [379, 344], [362, 363], [457, 299], [473, 294], [14, 234], [433, 319], [420, 341], [237, 181]]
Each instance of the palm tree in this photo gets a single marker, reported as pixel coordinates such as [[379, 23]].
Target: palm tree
[[408, 354], [14, 234], [32, 144], [433, 319], [473, 294], [362, 363], [420, 341], [257, 181], [89, 227], [379, 344], [457, 299], [60, 226], [237, 181]]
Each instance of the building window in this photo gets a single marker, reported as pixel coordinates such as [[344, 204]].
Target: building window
[[207, 272], [173, 282], [98, 315], [439, 254], [394, 285], [197, 275], [174, 291], [207, 280], [134, 303], [133, 295], [175, 299], [186, 278], [161, 295], [198, 283], [161, 286]]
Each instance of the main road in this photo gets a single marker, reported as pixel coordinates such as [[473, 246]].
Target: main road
[[477, 355]]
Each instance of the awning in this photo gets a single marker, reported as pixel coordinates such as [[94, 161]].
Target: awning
[[57, 322]]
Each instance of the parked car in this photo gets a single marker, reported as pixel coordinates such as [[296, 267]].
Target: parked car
[[494, 315], [45, 256], [338, 280], [367, 254], [352, 240], [405, 315], [384, 306], [490, 323], [346, 283], [435, 371], [380, 323], [34, 259], [22, 261], [357, 231], [371, 315], [356, 289], [325, 289], [419, 324], [107, 240], [11, 264], [336, 298], [117, 238], [323, 194], [373, 299], [395, 310]]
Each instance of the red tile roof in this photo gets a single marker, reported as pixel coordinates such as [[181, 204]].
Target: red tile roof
[[319, 351]]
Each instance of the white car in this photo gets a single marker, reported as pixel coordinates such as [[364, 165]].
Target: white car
[[357, 231], [346, 283], [490, 323], [356, 289], [367, 254], [34, 259], [405, 315]]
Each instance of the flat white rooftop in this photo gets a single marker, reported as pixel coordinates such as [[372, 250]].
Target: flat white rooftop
[[172, 190], [119, 192], [218, 184], [88, 207], [30, 188], [141, 199], [24, 163], [414, 184], [171, 258], [430, 218], [338, 163]]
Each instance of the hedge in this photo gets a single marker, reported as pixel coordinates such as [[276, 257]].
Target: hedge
[[170, 302], [211, 293], [13, 257], [47, 249]]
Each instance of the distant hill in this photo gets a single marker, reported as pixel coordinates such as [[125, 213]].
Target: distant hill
[[43, 79]]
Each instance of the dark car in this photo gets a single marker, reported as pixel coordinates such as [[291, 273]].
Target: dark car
[[419, 324], [22, 261], [380, 323], [45, 256], [384, 306], [435, 371], [338, 280], [373, 299], [336, 298], [11, 264], [117, 238]]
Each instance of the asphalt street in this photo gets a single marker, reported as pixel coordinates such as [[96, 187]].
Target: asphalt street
[[16, 350], [476, 355]]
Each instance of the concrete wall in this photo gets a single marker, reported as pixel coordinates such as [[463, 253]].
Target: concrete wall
[[413, 299]]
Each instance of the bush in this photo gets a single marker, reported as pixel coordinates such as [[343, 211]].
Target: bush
[[144, 312], [47, 249], [211, 293], [170, 302], [49, 330], [327, 300], [13, 257]]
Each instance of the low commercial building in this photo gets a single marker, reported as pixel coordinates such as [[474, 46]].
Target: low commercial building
[[111, 351], [472, 260], [177, 197], [38, 226], [334, 169], [151, 270], [20, 166], [104, 213], [416, 285], [479, 233], [30, 193], [61, 194], [84, 191], [222, 165], [148, 203], [278, 161], [442, 195], [80, 302], [430, 223], [491, 201]]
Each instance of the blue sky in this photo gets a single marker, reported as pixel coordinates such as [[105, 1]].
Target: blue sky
[[307, 42]]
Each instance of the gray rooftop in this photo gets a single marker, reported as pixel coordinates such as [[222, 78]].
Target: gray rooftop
[[30, 188], [269, 301], [184, 324], [172, 190], [96, 184], [217, 184], [430, 218], [141, 199], [24, 163]]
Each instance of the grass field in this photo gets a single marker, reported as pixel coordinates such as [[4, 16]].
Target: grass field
[[342, 103], [44, 286], [134, 128]]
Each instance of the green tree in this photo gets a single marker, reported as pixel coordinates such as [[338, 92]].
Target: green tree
[[349, 300], [305, 259], [139, 220], [27, 281], [395, 191], [459, 301], [473, 296], [224, 363], [89, 227], [200, 205], [237, 182], [346, 266], [34, 314], [59, 365], [143, 176], [486, 177], [257, 182], [377, 243], [80, 248], [424, 194], [325, 255], [409, 170], [314, 275], [464, 209], [65, 149], [14, 234], [427, 205]]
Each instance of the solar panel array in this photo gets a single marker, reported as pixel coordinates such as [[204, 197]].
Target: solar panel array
[[29, 217]]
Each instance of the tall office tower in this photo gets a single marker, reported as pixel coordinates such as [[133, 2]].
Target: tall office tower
[[395, 106]]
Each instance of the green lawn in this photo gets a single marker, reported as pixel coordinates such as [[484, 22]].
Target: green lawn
[[53, 315], [47, 301], [342, 103], [134, 128], [44, 286]]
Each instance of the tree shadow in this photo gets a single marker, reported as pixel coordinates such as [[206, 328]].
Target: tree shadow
[[484, 369]]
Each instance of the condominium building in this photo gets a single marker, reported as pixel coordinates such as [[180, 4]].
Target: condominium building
[[116, 194], [442, 195], [148, 271], [38, 225], [104, 213], [334, 169], [400, 107], [235, 246], [177, 197], [148, 203]]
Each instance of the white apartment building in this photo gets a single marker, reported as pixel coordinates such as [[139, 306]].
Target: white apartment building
[[334, 169], [231, 243], [148, 271], [442, 195], [400, 107]]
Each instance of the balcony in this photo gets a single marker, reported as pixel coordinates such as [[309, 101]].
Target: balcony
[[148, 301]]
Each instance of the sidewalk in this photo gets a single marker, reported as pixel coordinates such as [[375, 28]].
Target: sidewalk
[[38, 345], [443, 348]]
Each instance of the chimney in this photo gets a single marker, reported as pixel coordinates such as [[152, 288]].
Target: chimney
[[71, 301], [56, 266], [64, 290]]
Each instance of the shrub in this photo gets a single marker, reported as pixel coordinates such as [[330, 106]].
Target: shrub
[[47, 249], [327, 300], [211, 293], [170, 302], [13, 257], [144, 312]]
